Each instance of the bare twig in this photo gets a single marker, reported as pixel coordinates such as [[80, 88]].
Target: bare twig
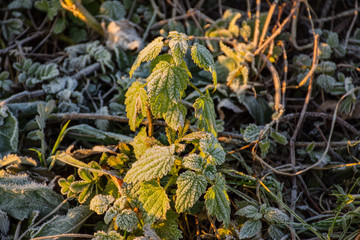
[[351, 25], [72, 235]]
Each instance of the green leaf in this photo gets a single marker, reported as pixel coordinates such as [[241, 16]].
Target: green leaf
[[250, 229], [100, 203], [4, 223], [154, 199], [249, 212], [9, 132], [190, 188], [20, 4], [278, 137], [98, 134], [178, 44], [217, 200], [194, 161], [156, 162], [275, 215], [148, 53], [11, 27], [326, 82], [62, 223], [110, 214], [332, 39], [135, 105], [114, 9], [168, 229], [210, 146], [205, 113], [13, 159], [142, 142], [264, 146], [251, 133], [20, 196], [210, 171], [275, 233], [175, 116], [203, 59], [126, 220], [60, 26], [166, 85]]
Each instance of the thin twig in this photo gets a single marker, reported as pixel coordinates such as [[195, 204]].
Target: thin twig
[[22, 95], [267, 22], [257, 24], [73, 235], [351, 25], [21, 42]]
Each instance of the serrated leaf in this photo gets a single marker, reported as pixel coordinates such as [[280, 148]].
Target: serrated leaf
[[275, 233], [156, 162], [102, 124], [203, 59], [100, 203], [166, 85], [332, 39], [15, 159], [251, 133], [175, 116], [205, 113], [148, 53], [278, 137], [110, 214], [62, 223], [194, 161], [210, 171], [178, 44], [135, 105], [190, 187], [326, 82], [168, 229], [275, 215], [154, 199], [250, 229], [9, 132], [210, 146], [126, 220], [249, 212], [114, 9], [264, 147], [217, 200]]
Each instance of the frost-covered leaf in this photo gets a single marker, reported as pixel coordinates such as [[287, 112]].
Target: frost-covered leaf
[[190, 188], [278, 137], [15, 159], [98, 134], [114, 9], [100, 203], [15, 4], [251, 133], [175, 116], [332, 39], [51, 7], [150, 233], [250, 229], [20, 196], [154, 199], [194, 137], [210, 171], [9, 132], [326, 82], [135, 102], [217, 200], [62, 223], [166, 85], [264, 146], [120, 203], [203, 59], [148, 53], [194, 161], [112, 235], [275, 215], [326, 67], [324, 51], [249, 212], [178, 44], [11, 27], [155, 162], [4, 222], [210, 146], [110, 214], [168, 229], [126, 220], [275, 233], [245, 31], [205, 113]]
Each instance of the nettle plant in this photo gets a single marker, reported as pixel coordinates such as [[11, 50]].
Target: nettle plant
[[165, 176], [166, 179]]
